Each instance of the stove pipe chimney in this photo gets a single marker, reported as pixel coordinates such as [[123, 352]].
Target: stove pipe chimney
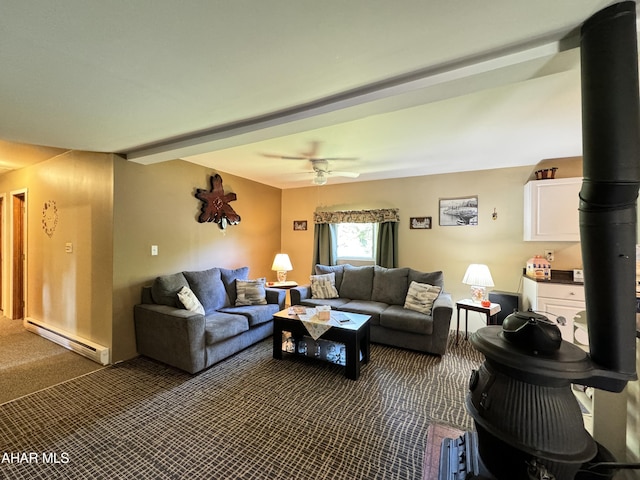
[[611, 169]]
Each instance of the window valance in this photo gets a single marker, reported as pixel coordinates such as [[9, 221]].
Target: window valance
[[358, 216]]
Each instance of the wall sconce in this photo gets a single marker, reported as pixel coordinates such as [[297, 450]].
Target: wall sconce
[[282, 265], [479, 277]]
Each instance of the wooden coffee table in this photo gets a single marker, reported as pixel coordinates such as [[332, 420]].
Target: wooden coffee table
[[354, 335]]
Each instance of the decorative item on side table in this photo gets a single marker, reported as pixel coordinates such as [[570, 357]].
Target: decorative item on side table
[[479, 278], [282, 265]]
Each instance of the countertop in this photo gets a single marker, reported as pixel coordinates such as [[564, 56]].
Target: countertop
[[557, 276]]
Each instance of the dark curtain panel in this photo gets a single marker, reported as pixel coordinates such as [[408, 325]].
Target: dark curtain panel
[[387, 254], [324, 245]]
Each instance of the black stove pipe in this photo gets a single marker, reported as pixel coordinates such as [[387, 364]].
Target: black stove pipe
[[611, 169]]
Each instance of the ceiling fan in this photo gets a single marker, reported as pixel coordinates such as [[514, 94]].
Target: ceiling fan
[[321, 168], [320, 165]]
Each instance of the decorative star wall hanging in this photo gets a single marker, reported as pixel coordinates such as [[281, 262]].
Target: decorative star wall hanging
[[215, 204]]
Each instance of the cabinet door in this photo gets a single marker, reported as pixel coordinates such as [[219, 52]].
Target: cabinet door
[[551, 210], [568, 309]]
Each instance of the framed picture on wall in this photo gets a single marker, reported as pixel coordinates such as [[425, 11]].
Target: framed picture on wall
[[300, 225], [458, 211], [419, 223]]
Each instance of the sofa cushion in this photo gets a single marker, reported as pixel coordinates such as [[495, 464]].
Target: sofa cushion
[[251, 292], [220, 326], [164, 290], [229, 278], [208, 287], [421, 296], [357, 282], [324, 286], [399, 318], [190, 301], [366, 307], [337, 269], [390, 285], [432, 278], [256, 314]]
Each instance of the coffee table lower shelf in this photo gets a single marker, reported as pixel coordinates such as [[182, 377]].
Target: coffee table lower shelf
[[354, 336]]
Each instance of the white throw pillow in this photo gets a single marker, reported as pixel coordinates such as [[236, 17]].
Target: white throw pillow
[[251, 292], [190, 301], [420, 297], [324, 286]]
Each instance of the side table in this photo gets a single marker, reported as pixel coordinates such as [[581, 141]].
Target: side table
[[289, 284], [467, 304]]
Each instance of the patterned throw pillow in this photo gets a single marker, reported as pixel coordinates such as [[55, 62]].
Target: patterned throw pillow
[[420, 297], [190, 301], [251, 292], [324, 286]]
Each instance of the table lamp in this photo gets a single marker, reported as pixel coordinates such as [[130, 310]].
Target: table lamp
[[282, 265], [479, 277]]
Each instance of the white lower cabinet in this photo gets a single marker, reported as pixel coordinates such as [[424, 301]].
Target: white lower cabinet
[[558, 301]]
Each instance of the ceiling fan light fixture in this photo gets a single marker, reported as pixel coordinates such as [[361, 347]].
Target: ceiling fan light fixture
[[319, 179]]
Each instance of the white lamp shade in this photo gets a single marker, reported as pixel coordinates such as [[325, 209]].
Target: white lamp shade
[[281, 263], [478, 275]]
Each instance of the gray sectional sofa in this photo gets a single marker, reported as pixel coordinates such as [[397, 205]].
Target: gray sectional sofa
[[383, 294], [227, 313]]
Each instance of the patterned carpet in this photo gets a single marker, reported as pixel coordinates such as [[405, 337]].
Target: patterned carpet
[[249, 417]]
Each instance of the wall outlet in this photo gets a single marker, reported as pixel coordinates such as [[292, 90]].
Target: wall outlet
[[154, 250], [548, 254]]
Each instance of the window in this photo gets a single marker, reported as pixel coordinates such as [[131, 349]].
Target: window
[[356, 241]]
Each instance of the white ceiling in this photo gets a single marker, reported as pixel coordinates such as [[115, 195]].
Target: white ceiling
[[410, 87]]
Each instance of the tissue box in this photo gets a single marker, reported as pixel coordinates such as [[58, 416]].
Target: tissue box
[[324, 312]]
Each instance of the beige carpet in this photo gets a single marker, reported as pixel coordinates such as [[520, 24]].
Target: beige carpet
[[29, 363]]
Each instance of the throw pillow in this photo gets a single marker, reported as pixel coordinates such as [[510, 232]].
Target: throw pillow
[[421, 296], [324, 286], [251, 292], [190, 301]]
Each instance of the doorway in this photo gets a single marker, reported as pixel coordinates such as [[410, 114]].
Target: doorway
[[19, 257]]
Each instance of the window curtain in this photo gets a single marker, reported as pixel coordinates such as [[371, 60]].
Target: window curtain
[[387, 241], [387, 252], [324, 245]]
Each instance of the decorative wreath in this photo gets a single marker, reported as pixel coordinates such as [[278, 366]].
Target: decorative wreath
[[49, 217]]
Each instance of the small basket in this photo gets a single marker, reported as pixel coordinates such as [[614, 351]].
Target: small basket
[[546, 173]]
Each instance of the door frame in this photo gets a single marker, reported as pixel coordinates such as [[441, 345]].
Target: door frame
[[11, 284]]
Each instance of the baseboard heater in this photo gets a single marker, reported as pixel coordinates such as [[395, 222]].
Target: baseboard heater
[[87, 348]]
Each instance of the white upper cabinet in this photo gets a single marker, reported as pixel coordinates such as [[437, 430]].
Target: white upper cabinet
[[551, 210]]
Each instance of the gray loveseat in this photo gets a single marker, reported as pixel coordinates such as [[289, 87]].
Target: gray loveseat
[[382, 294], [215, 327]]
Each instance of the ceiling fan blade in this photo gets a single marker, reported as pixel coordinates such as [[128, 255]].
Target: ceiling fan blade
[[338, 158], [313, 150], [283, 157], [344, 174]]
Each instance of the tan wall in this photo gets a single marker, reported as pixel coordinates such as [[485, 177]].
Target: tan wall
[[498, 243], [71, 291], [155, 205]]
